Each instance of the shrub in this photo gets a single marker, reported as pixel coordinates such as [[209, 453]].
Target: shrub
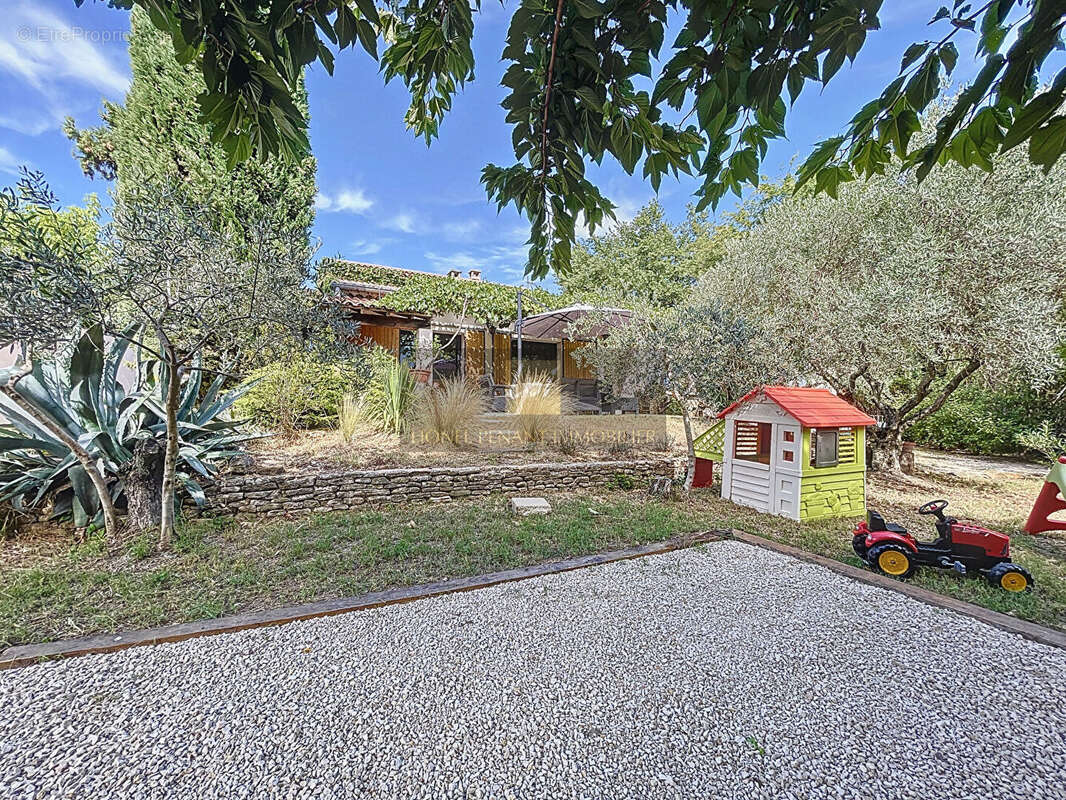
[[81, 392], [1043, 441], [537, 402], [390, 392], [300, 392], [447, 411], [978, 420]]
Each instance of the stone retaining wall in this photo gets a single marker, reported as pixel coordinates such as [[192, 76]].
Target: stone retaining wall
[[255, 493]]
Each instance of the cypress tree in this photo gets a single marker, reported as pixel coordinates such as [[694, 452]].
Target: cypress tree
[[157, 136]]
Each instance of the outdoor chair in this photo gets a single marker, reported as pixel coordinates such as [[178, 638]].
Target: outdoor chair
[[495, 394]]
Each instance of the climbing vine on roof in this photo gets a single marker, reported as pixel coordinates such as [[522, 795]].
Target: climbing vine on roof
[[423, 293]]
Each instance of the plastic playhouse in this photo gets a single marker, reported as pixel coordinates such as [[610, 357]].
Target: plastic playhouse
[[791, 451], [1051, 500]]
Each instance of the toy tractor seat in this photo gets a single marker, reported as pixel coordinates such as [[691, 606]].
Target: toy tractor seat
[[875, 522]]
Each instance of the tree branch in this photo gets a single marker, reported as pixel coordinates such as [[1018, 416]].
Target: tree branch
[[972, 365], [548, 93]]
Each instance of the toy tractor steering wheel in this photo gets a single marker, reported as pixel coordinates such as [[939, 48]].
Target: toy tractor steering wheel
[[934, 507]]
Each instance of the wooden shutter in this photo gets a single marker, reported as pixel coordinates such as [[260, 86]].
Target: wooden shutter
[[388, 338], [501, 358], [571, 366], [475, 354]]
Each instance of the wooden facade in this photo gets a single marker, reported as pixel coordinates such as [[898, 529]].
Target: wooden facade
[[386, 337], [571, 366]]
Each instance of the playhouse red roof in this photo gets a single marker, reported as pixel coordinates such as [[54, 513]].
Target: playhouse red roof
[[814, 408]]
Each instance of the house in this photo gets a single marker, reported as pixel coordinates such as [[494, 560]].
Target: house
[[448, 325], [797, 452]]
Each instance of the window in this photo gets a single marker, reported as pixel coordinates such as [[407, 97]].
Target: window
[[787, 455], [824, 447], [751, 441], [447, 358], [790, 436], [537, 357], [408, 344]]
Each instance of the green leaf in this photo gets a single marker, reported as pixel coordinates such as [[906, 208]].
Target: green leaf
[[949, 56], [369, 10], [913, 53], [589, 9], [1048, 143], [367, 37]]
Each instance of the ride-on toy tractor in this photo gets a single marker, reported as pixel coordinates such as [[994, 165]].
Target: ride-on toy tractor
[[967, 549]]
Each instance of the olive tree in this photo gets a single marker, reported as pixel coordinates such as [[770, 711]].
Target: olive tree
[[187, 287], [899, 292], [700, 355], [164, 277]]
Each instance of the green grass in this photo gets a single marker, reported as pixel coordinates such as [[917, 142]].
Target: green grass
[[224, 566]]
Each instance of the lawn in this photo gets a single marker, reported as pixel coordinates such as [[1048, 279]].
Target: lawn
[[50, 589]]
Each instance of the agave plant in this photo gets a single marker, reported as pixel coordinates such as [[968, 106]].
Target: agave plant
[[83, 395]]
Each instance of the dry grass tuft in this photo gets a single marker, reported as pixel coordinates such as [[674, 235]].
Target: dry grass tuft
[[538, 404], [446, 413]]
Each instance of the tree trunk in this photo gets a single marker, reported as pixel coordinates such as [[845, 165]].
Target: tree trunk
[[84, 457], [884, 447], [143, 479], [690, 446], [170, 459]]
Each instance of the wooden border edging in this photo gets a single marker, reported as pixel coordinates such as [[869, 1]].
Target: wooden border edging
[[25, 655], [1021, 627]]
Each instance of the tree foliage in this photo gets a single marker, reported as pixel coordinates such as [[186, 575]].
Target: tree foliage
[[646, 260], [580, 86], [900, 292], [700, 355], [156, 136]]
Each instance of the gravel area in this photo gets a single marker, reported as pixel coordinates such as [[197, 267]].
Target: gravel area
[[722, 671], [965, 465]]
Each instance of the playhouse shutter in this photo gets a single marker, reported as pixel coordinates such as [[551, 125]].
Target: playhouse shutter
[[746, 440]]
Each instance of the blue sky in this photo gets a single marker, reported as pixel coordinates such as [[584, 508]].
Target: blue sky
[[384, 196]]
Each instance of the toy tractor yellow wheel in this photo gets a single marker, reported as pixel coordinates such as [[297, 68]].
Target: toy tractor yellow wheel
[[1011, 577], [892, 559]]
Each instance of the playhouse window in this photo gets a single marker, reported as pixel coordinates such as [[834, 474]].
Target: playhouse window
[[824, 447], [751, 441]]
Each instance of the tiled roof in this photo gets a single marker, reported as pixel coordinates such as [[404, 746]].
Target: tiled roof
[[813, 408]]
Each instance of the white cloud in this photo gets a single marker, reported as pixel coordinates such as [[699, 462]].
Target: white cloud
[[461, 230], [55, 61], [461, 260], [8, 162], [367, 247], [353, 201], [406, 223]]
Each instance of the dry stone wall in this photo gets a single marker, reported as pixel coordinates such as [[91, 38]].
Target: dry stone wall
[[259, 493]]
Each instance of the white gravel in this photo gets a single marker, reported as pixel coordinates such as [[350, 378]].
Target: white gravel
[[723, 671]]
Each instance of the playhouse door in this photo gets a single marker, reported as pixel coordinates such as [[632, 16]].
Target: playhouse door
[[785, 478]]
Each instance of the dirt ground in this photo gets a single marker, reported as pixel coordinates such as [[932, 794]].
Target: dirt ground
[[570, 438]]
